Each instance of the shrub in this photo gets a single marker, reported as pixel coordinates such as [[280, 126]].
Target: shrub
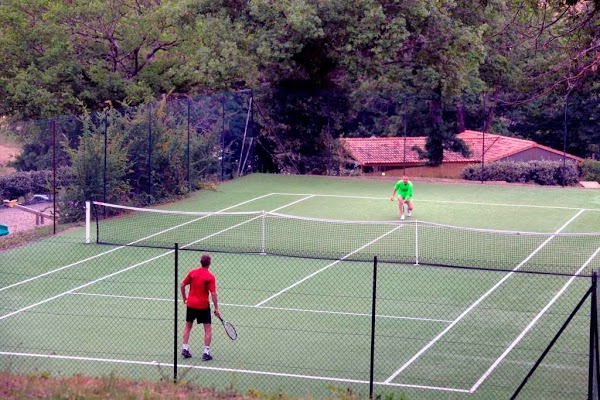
[[542, 172], [590, 170], [27, 183]]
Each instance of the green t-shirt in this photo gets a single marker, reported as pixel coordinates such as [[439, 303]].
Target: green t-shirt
[[404, 190]]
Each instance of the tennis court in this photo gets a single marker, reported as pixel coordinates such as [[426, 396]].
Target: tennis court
[[296, 277]]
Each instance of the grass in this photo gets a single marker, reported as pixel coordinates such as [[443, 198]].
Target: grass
[[24, 237], [43, 386]]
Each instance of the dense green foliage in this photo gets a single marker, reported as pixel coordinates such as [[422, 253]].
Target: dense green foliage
[[318, 70]]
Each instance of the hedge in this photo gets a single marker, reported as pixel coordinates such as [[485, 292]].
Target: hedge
[[542, 172], [590, 170]]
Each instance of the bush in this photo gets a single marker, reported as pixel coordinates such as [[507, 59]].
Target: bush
[[542, 172], [27, 183], [590, 170]]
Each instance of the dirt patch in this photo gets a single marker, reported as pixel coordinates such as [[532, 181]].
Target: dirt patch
[[8, 152], [13, 386], [20, 220]]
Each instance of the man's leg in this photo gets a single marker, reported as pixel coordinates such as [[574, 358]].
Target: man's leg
[[410, 207], [186, 339], [401, 207], [207, 339]]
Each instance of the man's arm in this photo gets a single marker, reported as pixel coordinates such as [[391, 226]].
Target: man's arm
[[183, 295], [215, 301]]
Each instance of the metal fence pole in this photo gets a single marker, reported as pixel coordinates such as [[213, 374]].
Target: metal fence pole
[[223, 138], [105, 156], [175, 314], [373, 313], [565, 141], [188, 147], [483, 140], [405, 132], [54, 191], [149, 151], [592, 365]]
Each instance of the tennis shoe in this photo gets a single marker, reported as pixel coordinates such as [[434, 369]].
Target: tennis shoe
[[186, 353], [206, 357], [402, 216], [408, 212]]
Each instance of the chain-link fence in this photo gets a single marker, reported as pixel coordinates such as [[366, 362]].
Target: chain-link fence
[[306, 326], [160, 151]]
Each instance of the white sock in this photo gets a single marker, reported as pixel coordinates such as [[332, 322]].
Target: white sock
[[186, 346], [206, 349]]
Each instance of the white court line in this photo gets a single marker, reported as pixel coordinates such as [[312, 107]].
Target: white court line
[[236, 370], [136, 265], [445, 202], [82, 286], [121, 247], [532, 323], [476, 303], [269, 308], [326, 267]]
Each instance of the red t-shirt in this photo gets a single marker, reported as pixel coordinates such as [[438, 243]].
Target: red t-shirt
[[201, 282]]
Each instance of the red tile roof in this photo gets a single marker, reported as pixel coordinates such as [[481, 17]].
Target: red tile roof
[[390, 150]]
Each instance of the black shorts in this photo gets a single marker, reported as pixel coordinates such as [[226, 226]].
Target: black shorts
[[202, 316]]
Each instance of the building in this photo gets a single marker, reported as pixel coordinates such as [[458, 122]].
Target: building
[[393, 154]]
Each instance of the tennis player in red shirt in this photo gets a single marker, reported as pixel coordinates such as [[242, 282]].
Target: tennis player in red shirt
[[202, 283]]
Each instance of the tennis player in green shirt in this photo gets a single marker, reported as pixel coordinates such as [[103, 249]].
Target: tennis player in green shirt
[[404, 188]]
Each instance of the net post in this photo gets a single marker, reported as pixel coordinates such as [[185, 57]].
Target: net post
[[88, 221], [175, 316], [417, 242], [263, 245], [373, 313]]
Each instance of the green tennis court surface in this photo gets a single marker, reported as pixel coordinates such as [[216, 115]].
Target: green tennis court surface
[[303, 312]]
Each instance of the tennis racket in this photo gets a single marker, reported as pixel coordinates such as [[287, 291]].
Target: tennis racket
[[229, 328]]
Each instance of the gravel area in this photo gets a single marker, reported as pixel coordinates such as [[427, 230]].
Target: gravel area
[[19, 220]]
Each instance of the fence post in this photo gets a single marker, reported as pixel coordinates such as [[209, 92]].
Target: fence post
[[564, 157], [223, 137], [54, 191], [593, 361], [405, 127], [373, 313], [483, 140], [149, 151], [105, 157], [188, 161], [175, 305]]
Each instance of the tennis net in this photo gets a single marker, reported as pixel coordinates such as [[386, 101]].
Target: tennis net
[[413, 242]]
